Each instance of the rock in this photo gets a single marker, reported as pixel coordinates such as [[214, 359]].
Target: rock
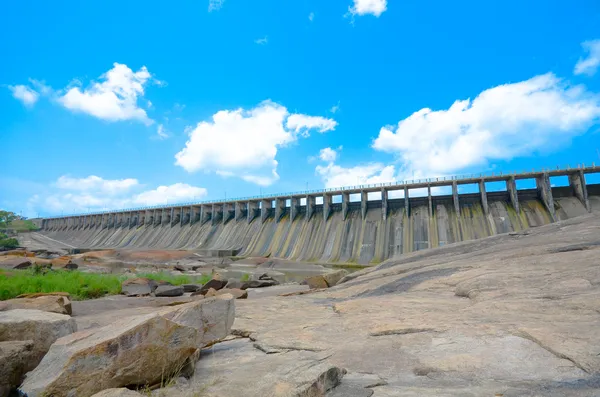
[[120, 392], [211, 292], [191, 287], [213, 283], [332, 278], [43, 328], [234, 284], [47, 303], [212, 317], [15, 357], [17, 263], [138, 287], [142, 350], [169, 290], [38, 294], [64, 263], [235, 292], [316, 282], [259, 284]]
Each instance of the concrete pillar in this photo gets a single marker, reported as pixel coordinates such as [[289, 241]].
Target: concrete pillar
[[265, 206], [228, 212], [205, 213], [294, 208], [345, 204], [483, 193], [310, 206], [577, 182], [384, 203], [430, 201], [327, 201], [455, 197], [545, 194], [240, 207], [252, 207], [182, 215], [364, 197], [279, 208], [157, 217], [406, 202], [511, 188], [216, 213], [172, 218], [129, 216], [194, 214]]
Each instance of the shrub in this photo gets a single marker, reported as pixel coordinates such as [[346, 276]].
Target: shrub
[[9, 243]]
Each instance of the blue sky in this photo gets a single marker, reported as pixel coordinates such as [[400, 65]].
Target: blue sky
[[123, 104]]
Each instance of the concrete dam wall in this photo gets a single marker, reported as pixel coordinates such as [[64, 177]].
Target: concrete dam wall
[[339, 232]]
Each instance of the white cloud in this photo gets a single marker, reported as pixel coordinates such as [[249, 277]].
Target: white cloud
[[161, 132], [590, 64], [262, 41], [364, 7], [94, 183], [245, 142], [24, 94], [215, 5], [113, 99], [334, 175], [499, 124], [71, 195], [302, 123], [311, 16], [176, 193], [335, 108], [328, 154]]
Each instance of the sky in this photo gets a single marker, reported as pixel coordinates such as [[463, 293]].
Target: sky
[[108, 105]]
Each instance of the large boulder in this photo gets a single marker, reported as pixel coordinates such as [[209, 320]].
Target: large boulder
[[168, 290], [15, 357], [213, 283], [138, 286], [191, 287], [141, 350], [47, 303], [43, 328], [120, 392], [64, 263], [212, 317], [315, 282], [334, 277]]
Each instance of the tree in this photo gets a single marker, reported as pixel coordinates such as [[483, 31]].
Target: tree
[[6, 217]]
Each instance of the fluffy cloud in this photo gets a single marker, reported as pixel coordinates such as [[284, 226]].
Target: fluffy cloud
[[113, 99], [94, 183], [590, 64], [364, 7], [262, 41], [244, 143], [500, 123], [73, 195], [161, 132], [328, 154], [334, 175], [215, 5], [24, 94]]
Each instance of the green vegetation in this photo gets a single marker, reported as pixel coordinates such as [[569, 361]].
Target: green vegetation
[[6, 217], [10, 220], [175, 280], [80, 285], [8, 243], [245, 277]]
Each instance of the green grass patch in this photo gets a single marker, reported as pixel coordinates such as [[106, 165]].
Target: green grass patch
[[245, 277], [176, 280], [80, 285], [22, 225]]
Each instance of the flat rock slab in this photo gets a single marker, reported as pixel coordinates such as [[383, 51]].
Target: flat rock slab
[[15, 358], [48, 303], [118, 392], [236, 368]]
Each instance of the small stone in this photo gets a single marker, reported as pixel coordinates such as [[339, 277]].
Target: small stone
[[169, 290], [258, 284], [120, 392], [316, 282], [236, 292], [234, 284], [138, 286], [211, 292], [332, 278]]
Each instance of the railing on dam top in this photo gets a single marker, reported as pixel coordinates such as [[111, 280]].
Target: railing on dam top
[[315, 192]]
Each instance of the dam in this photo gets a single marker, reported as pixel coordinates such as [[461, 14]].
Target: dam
[[362, 224]]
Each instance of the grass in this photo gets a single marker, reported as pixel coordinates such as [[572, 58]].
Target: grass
[[20, 225], [245, 277], [79, 285]]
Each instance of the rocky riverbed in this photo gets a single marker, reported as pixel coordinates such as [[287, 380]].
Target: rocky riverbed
[[511, 315]]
